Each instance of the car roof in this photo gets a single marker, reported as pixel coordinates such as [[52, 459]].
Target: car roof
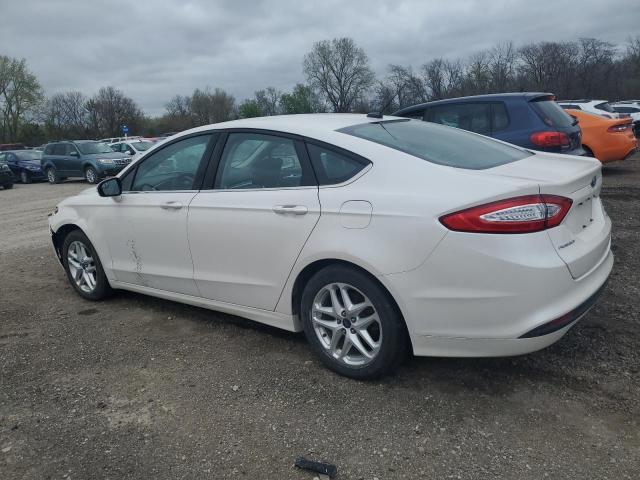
[[583, 101], [20, 151], [315, 125], [491, 96]]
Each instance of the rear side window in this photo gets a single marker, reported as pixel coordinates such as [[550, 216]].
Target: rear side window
[[570, 107], [499, 117], [48, 150], [475, 117], [551, 113], [438, 144], [332, 167]]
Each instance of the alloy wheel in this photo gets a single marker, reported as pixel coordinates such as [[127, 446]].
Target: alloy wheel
[[91, 175], [347, 324], [51, 175], [82, 266]]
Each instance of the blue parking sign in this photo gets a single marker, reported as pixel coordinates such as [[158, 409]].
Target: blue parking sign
[[125, 129]]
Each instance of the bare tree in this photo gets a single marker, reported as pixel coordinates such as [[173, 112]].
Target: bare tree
[[109, 110], [401, 88], [211, 107], [340, 70], [65, 115], [502, 67], [268, 101]]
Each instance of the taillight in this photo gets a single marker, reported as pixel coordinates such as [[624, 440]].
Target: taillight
[[526, 214], [619, 128], [549, 139]]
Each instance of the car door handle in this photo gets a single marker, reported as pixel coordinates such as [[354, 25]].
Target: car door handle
[[290, 209], [171, 206]]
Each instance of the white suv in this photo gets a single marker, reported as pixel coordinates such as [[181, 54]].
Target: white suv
[[599, 107]]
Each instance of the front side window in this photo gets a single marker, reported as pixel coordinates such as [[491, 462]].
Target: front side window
[[332, 167], [173, 167], [475, 117], [253, 160], [437, 144], [141, 146]]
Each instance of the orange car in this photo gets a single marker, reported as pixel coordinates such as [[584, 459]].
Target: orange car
[[606, 139]]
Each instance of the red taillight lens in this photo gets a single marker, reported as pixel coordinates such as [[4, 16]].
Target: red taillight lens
[[549, 139], [526, 214], [619, 128]]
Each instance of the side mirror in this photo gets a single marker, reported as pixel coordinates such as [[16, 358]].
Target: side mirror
[[73, 153], [111, 187]]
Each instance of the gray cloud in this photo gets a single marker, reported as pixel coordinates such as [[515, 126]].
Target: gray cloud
[[155, 49]]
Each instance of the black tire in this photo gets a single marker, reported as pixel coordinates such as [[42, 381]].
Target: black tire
[[8, 186], [102, 288], [394, 346], [52, 175], [91, 175], [25, 177], [589, 152]]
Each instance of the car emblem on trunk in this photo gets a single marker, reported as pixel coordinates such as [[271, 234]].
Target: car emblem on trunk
[[594, 180]]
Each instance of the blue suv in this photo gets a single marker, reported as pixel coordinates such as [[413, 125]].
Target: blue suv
[[81, 158], [530, 120]]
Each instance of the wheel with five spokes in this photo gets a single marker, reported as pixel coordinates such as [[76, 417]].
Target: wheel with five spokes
[[83, 267], [352, 323]]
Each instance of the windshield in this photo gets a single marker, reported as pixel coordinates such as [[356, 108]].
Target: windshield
[[89, 148], [141, 146], [438, 144], [28, 155], [552, 114]]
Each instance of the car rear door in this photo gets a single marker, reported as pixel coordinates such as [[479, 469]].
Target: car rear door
[[246, 232]]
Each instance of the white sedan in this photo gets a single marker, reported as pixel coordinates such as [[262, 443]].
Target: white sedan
[[376, 236]]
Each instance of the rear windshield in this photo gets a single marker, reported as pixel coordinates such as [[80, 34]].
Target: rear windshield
[[438, 144], [552, 114], [605, 107]]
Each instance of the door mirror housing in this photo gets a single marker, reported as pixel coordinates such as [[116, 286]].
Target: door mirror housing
[[74, 153], [111, 187]]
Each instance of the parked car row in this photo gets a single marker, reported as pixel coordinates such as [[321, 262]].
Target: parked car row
[[537, 122]]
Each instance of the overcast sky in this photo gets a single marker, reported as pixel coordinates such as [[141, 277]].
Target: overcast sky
[[153, 50]]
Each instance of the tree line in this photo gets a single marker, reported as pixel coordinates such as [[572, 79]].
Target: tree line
[[338, 78]]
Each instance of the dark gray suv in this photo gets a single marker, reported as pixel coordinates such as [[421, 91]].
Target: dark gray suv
[[81, 158]]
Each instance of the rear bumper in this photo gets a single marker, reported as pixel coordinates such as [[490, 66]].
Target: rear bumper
[[483, 296]]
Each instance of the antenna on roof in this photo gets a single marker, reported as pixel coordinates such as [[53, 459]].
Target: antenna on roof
[[374, 115], [385, 106]]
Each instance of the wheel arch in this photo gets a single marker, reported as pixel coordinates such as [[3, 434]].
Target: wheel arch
[[60, 234], [312, 268]]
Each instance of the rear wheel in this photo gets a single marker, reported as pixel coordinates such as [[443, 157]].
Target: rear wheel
[[91, 175], [8, 186], [52, 175], [83, 267], [352, 324], [25, 177]]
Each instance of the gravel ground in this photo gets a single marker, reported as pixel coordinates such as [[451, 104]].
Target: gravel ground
[[137, 387]]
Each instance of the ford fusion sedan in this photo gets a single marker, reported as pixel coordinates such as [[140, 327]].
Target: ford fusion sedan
[[377, 237]]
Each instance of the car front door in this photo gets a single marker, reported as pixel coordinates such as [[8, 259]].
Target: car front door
[[247, 231], [146, 226]]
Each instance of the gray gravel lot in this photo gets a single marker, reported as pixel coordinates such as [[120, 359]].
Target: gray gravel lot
[[137, 387]]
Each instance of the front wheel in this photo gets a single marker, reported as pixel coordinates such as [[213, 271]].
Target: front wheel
[[352, 324], [8, 186], [83, 267], [52, 175], [91, 175]]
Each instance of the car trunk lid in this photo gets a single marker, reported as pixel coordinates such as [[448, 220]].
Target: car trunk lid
[[582, 240]]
